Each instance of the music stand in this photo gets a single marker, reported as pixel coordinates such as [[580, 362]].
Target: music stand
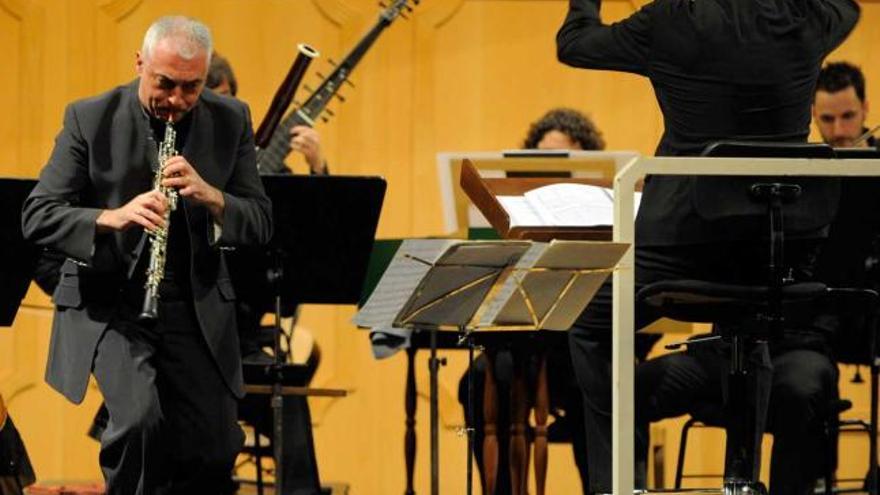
[[323, 233], [475, 287], [19, 257]]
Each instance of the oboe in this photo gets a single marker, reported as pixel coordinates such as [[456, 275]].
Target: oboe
[[159, 235]]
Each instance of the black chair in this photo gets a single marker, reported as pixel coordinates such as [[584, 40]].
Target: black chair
[[711, 416], [749, 314]]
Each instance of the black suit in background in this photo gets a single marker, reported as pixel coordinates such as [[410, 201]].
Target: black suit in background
[[721, 70], [170, 388]]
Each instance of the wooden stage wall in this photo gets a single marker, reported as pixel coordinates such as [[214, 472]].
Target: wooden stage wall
[[459, 75]]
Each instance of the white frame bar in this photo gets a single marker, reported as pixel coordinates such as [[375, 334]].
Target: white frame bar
[[623, 396]]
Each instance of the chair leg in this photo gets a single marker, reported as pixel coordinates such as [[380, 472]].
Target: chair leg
[[259, 461], [872, 439], [490, 420], [542, 408], [682, 448], [830, 446]]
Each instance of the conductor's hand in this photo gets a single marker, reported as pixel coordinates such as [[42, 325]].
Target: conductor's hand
[[181, 175], [307, 141], [145, 210]]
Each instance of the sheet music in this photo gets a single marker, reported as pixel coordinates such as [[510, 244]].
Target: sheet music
[[520, 211], [572, 205], [399, 281], [563, 205]]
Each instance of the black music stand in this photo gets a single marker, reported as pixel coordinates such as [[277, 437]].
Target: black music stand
[[17, 261], [324, 229], [17, 257]]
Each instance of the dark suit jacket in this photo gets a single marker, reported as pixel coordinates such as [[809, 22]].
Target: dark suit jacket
[[102, 159], [721, 70]]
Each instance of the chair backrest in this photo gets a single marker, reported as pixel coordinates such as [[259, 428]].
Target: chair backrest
[[727, 198]]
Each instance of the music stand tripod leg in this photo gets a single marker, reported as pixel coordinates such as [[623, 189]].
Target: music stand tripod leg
[[277, 401], [434, 364], [468, 339]]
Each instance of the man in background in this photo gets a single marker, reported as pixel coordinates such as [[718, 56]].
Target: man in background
[[303, 139], [840, 108], [558, 129], [300, 469]]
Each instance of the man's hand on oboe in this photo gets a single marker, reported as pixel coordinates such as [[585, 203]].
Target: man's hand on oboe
[[145, 210], [180, 174]]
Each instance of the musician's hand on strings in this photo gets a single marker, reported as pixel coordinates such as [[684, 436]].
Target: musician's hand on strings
[[181, 175], [146, 210], [307, 141]]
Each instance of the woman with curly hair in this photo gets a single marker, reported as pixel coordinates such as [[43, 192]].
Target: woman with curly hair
[[564, 128]]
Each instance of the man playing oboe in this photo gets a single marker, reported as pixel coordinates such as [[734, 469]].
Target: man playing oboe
[[170, 386]]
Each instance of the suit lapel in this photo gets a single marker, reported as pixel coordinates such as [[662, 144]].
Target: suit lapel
[[200, 143], [133, 138]]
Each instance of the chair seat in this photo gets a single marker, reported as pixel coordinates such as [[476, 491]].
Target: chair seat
[[700, 301]]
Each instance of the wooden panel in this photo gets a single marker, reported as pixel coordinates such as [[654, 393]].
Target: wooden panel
[[460, 75], [10, 88], [19, 124]]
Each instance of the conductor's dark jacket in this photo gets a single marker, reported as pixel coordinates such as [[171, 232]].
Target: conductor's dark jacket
[[721, 70], [102, 159]]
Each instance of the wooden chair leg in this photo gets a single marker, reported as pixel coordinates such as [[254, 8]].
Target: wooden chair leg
[[258, 460], [542, 411], [490, 424], [519, 410]]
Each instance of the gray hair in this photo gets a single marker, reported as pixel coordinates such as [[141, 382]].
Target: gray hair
[[193, 31]]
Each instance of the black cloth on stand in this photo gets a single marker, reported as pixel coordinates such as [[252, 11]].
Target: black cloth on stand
[[16, 471]]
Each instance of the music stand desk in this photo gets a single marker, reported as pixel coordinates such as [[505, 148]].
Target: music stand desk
[[18, 256], [623, 322]]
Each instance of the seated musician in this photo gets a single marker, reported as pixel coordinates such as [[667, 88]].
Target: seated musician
[[303, 139], [558, 129], [840, 107]]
